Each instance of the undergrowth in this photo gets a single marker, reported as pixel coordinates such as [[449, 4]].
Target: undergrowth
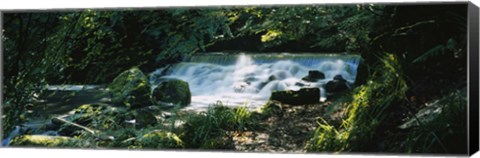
[[374, 121], [212, 129], [442, 131], [365, 113]]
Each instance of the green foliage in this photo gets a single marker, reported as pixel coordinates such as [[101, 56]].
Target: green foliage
[[97, 117], [366, 113], [42, 141], [160, 139], [440, 50], [338, 28], [445, 130], [94, 46], [327, 138], [270, 108], [210, 129], [28, 66], [243, 120]]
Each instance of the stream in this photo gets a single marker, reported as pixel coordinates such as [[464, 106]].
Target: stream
[[245, 79]]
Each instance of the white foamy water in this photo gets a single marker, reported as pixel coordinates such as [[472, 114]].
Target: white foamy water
[[249, 79]]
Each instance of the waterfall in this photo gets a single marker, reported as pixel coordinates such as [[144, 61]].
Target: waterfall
[[249, 79]]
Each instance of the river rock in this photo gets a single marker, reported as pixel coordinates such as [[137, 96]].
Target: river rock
[[271, 78], [302, 96], [160, 139], [42, 141], [314, 76], [131, 89], [339, 78], [338, 84], [172, 91]]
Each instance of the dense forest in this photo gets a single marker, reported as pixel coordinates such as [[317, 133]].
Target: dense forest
[[409, 95]]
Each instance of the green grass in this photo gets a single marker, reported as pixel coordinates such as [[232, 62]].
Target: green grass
[[211, 129]]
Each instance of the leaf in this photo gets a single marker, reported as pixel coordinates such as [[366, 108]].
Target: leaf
[[433, 52]]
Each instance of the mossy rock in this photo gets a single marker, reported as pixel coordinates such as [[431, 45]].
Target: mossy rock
[[172, 91], [42, 141], [302, 96], [96, 116], [131, 89], [160, 139]]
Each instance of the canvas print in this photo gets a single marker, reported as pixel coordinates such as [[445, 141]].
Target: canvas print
[[350, 78]]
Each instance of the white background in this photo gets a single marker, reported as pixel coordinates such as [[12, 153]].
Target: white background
[[69, 4]]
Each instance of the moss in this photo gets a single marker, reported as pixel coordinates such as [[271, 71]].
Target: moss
[[42, 141], [131, 89], [173, 91], [160, 139], [366, 116]]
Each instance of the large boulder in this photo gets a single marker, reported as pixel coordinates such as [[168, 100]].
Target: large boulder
[[338, 84], [130, 89], [314, 76], [173, 91], [302, 96], [339, 78], [42, 141], [160, 139]]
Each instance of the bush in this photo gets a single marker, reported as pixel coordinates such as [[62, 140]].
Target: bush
[[366, 114], [210, 129], [440, 127], [271, 108]]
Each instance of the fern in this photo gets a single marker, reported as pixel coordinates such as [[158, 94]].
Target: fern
[[433, 52]]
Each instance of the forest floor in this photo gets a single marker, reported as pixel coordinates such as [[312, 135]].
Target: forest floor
[[287, 131]]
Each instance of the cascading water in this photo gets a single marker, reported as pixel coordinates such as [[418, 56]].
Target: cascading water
[[249, 79]]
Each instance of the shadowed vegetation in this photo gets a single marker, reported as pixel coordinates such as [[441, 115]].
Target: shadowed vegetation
[[409, 100]]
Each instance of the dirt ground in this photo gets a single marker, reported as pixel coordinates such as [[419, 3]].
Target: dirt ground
[[286, 131]]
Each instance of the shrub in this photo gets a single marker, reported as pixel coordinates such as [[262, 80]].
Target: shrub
[[210, 129], [441, 127], [366, 114]]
